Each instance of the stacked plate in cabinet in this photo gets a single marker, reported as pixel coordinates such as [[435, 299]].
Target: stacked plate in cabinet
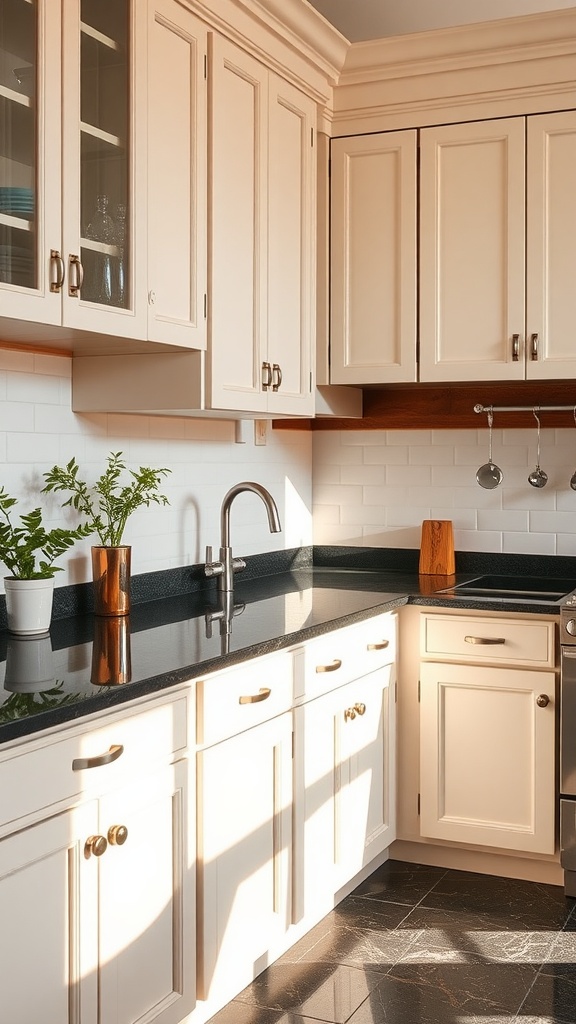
[[18, 202], [16, 266]]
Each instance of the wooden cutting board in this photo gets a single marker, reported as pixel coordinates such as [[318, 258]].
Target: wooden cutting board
[[437, 548]]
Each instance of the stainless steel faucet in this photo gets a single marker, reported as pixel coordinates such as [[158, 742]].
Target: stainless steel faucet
[[225, 568]]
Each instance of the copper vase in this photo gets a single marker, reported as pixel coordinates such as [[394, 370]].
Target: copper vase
[[111, 574]]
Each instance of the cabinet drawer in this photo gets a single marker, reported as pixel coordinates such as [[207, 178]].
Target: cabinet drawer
[[346, 654], [39, 774], [229, 702], [481, 638]]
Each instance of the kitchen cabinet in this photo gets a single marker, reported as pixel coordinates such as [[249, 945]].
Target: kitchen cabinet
[[497, 249], [177, 169], [487, 732], [96, 879], [262, 265], [373, 201], [244, 771], [344, 761], [72, 209]]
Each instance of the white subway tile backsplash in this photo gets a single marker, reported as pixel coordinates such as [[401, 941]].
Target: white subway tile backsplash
[[371, 475], [32, 448], [432, 474], [16, 416], [22, 387], [500, 519]]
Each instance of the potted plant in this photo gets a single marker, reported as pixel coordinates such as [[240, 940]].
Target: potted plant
[[107, 506], [29, 551]]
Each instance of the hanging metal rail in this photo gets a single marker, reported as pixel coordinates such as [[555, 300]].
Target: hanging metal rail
[[525, 408]]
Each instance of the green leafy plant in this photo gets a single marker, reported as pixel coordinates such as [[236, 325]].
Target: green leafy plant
[[29, 550], [22, 705], [109, 503]]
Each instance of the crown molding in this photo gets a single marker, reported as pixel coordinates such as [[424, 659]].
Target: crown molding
[[529, 37]]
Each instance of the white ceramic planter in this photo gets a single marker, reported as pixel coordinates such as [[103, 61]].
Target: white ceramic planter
[[29, 605]]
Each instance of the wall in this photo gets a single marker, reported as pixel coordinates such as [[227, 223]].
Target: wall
[[38, 429], [375, 488]]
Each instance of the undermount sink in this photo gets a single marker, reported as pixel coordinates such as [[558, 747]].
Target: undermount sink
[[532, 588]]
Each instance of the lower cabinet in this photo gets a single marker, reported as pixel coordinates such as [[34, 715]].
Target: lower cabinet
[[96, 903], [345, 778], [244, 854], [487, 732]]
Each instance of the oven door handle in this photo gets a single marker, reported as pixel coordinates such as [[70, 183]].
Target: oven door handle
[[569, 652]]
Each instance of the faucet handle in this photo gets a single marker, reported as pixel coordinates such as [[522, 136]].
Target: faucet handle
[[238, 564], [212, 568]]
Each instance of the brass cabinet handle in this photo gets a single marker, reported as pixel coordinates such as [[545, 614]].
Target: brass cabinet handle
[[378, 647], [57, 262], [276, 376], [117, 835], [515, 348], [76, 279], [266, 380], [357, 709], [485, 639], [255, 698], [332, 667], [534, 347], [80, 763], [543, 700], [95, 846]]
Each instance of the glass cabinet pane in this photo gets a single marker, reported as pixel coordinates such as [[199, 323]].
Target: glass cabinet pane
[[104, 150], [18, 148]]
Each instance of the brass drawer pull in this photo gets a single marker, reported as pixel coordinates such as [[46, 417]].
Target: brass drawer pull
[[80, 763], [378, 647], [543, 700], [332, 667], [255, 698], [485, 639]]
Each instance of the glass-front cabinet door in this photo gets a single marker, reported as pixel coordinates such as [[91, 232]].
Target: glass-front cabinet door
[[72, 186], [101, 172], [30, 171]]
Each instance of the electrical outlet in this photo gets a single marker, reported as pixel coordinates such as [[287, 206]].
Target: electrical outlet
[[260, 431]]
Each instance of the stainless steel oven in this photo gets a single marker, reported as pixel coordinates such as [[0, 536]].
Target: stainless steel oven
[[568, 742]]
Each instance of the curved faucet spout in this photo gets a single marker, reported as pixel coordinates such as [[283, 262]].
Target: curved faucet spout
[[225, 568], [247, 485]]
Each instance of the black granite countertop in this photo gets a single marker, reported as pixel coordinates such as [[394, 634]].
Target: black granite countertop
[[88, 664]]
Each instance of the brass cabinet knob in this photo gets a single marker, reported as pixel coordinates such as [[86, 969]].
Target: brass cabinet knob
[[95, 845], [350, 714], [360, 708], [117, 835], [543, 700]]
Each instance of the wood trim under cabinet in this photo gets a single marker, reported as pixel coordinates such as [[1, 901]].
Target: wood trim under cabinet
[[450, 407]]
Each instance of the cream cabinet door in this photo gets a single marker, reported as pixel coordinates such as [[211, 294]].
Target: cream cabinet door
[[373, 259], [472, 251], [487, 762], [177, 197], [551, 255], [244, 853], [49, 914], [345, 787], [238, 243], [291, 248], [146, 907]]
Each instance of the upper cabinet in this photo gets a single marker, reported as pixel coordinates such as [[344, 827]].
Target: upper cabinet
[[262, 190], [498, 249], [497, 253], [70, 201], [373, 258]]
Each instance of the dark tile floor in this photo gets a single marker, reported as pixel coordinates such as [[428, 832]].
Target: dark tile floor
[[422, 945]]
